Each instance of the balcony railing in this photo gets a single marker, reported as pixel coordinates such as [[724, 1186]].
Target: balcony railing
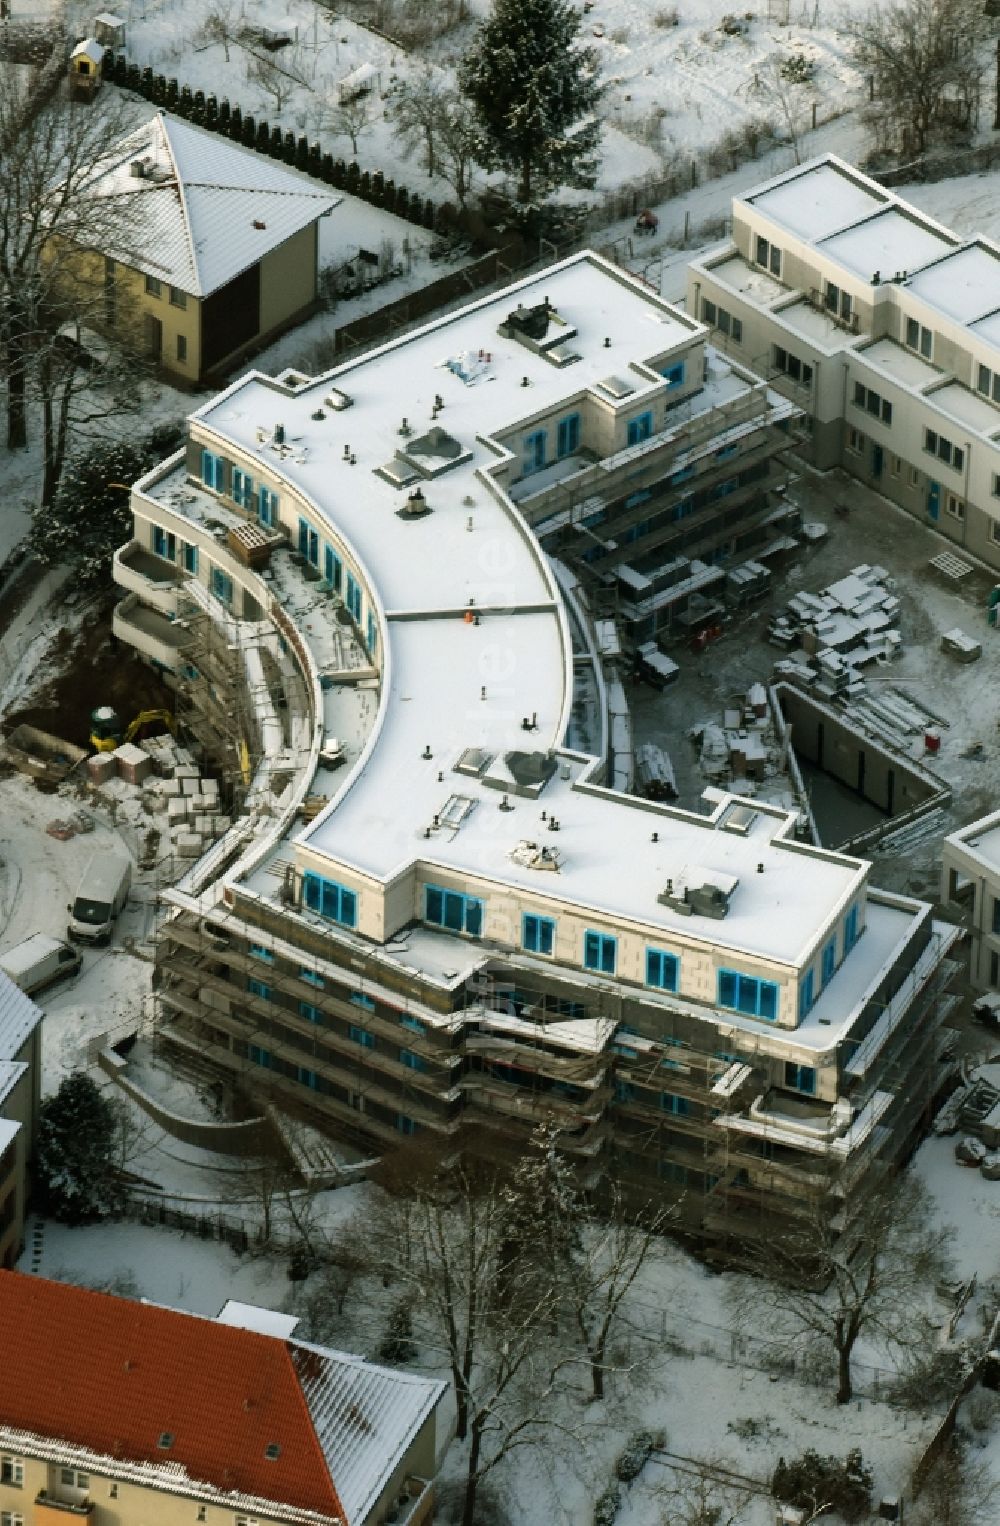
[[44, 1502], [149, 631], [153, 578]]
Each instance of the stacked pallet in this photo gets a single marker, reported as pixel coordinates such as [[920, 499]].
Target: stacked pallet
[[842, 629], [188, 799]]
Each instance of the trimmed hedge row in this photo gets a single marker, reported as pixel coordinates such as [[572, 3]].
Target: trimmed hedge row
[[228, 120]]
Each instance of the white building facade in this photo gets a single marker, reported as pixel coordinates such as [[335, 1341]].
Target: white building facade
[[434, 913], [882, 325]]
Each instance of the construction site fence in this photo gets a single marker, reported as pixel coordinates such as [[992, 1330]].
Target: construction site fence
[[648, 1325], [241, 1235], [933, 167]]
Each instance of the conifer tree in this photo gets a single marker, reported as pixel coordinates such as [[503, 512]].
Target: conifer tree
[[533, 88], [78, 1164]]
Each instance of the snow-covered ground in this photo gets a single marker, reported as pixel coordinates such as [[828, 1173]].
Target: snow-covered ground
[[671, 89]]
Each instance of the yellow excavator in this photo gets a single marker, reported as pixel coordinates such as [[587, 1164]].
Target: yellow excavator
[[107, 733]]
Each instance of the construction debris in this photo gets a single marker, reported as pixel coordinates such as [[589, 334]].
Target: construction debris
[[845, 627], [957, 644]]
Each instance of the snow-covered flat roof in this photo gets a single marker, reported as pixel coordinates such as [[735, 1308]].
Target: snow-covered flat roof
[[451, 683], [250, 1316], [818, 200], [813, 324], [893, 240], [988, 328], [966, 407], [748, 279], [899, 363], [981, 839], [866, 229], [965, 285]]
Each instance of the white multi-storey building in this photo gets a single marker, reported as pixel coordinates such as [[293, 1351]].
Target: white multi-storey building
[[433, 911], [970, 883], [884, 327]]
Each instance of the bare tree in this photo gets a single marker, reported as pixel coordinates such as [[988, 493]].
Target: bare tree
[[777, 84], [447, 1224], [350, 117], [416, 113], [859, 1261], [613, 1249], [459, 144], [219, 25], [692, 1497], [924, 58], [295, 71], [54, 152]]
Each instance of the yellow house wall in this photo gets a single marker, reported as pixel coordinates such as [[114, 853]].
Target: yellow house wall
[[135, 1504], [85, 268], [288, 278]]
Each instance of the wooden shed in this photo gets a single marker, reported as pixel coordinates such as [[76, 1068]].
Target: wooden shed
[[85, 69]]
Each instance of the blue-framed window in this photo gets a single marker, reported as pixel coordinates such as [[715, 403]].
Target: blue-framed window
[[222, 587], [670, 1102], [640, 428], [801, 1078], [662, 969], [259, 1056], [242, 488], [405, 1125], [213, 470], [748, 994], [850, 929], [538, 934], [568, 435], [309, 1012], [258, 988], [332, 569], [366, 1003], [807, 993], [330, 899], [267, 505], [372, 634], [412, 1061], [258, 951], [673, 375], [624, 1091], [829, 961], [352, 597], [190, 558], [535, 448], [450, 908], [413, 1023], [164, 543], [311, 976], [308, 542], [600, 952], [361, 1036], [307, 1077]]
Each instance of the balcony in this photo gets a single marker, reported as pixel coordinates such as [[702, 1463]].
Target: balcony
[[150, 632], [154, 579], [50, 1510]]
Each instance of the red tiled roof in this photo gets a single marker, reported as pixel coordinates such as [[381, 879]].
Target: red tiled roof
[[115, 1376]]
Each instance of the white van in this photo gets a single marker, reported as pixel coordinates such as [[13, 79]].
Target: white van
[[39, 961], [102, 894]]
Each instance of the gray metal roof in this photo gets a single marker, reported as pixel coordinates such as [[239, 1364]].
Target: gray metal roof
[[19, 1017], [365, 1417]]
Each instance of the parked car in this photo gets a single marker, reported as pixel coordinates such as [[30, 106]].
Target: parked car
[[103, 892], [39, 961]]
